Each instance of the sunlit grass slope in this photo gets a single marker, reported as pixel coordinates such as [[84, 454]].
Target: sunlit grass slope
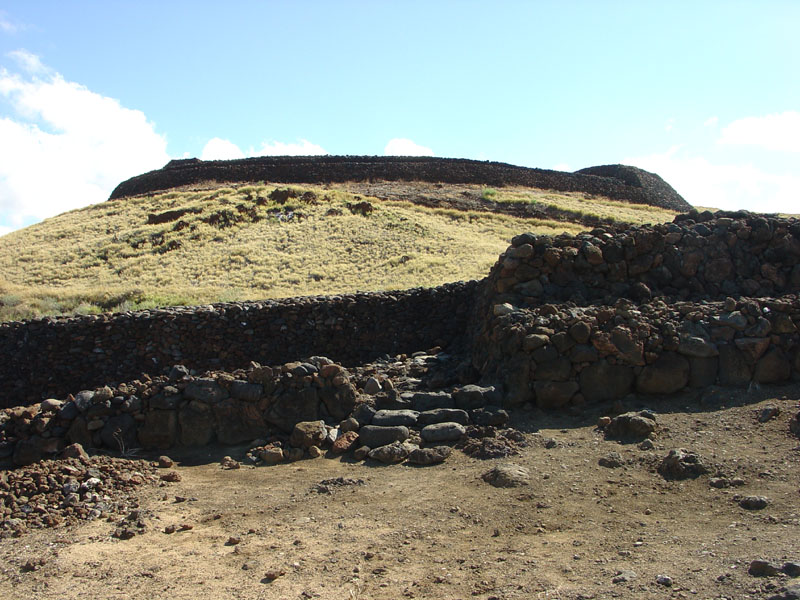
[[244, 243]]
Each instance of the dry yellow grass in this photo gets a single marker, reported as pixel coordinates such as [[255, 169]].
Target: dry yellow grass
[[580, 204], [237, 243]]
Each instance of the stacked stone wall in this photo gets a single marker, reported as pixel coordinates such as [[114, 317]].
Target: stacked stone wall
[[618, 181], [52, 357], [708, 299]]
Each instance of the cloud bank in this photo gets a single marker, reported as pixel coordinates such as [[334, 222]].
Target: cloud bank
[[405, 147], [778, 132], [63, 146], [725, 186], [220, 149]]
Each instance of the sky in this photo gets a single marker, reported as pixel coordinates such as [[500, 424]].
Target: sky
[[704, 93]]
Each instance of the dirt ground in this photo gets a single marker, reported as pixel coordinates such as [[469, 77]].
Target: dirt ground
[[578, 530]]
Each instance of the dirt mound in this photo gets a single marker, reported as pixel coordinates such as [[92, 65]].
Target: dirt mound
[[644, 188]]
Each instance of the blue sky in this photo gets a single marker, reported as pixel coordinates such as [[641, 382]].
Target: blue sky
[[704, 93]]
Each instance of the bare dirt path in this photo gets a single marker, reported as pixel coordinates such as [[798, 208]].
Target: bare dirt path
[[578, 530]]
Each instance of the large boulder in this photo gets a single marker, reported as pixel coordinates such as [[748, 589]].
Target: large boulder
[[308, 433], [734, 369], [197, 424], [159, 430], [668, 374], [554, 394], [290, 408], [238, 421], [374, 436], [119, 433], [773, 367], [205, 389], [603, 381]]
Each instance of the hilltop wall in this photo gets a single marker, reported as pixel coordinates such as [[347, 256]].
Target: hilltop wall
[[617, 181], [55, 356], [567, 320]]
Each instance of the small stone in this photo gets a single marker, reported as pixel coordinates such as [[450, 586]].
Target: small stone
[[375, 436], [754, 502], [763, 568], [361, 453], [372, 387], [165, 462], [271, 455], [612, 461], [603, 422], [792, 569], [389, 454], [293, 454], [489, 416], [172, 477], [344, 442], [74, 451], [233, 541], [429, 456], [507, 475], [228, 463], [682, 464], [443, 432], [348, 425], [664, 580], [170, 529], [647, 445], [631, 425], [314, 452], [273, 574], [308, 433], [624, 576], [768, 413], [389, 418]]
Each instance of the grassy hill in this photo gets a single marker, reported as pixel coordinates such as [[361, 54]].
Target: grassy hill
[[214, 243]]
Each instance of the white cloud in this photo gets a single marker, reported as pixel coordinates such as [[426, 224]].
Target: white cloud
[[29, 62], [7, 25], [64, 146], [562, 167], [301, 148], [4, 230], [726, 186], [711, 122], [670, 124], [219, 149], [405, 147], [778, 132]]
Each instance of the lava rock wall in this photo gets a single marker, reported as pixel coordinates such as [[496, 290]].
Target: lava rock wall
[[702, 301], [55, 356], [614, 181]]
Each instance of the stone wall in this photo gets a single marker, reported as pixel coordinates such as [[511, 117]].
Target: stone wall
[[181, 409], [55, 356], [614, 181], [701, 301]]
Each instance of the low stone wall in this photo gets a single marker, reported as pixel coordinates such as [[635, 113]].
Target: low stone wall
[[181, 409], [698, 256], [52, 357], [608, 336], [560, 355]]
